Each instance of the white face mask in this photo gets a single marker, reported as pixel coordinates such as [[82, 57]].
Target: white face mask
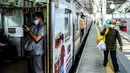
[[35, 22], [112, 26]]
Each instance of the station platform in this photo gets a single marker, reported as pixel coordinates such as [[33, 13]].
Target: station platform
[[92, 59]]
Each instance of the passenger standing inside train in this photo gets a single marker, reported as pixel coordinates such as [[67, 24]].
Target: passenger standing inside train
[[111, 46], [82, 26], [36, 35]]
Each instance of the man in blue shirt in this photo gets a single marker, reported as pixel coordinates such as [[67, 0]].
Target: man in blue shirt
[[35, 41]]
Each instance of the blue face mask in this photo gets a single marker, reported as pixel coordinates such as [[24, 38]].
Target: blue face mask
[[35, 22]]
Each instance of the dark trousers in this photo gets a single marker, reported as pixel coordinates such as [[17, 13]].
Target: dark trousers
[[36, 64], [113, 58], [82, 33]]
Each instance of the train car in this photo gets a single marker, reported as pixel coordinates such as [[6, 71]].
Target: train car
[[62, 24]]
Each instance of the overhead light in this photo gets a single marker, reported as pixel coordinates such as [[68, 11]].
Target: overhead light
[[112, 6]]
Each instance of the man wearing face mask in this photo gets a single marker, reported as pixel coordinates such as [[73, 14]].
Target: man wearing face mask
[[111, 46], [35, 41]]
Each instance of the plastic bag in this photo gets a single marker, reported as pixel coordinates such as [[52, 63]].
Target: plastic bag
[[101, 45]]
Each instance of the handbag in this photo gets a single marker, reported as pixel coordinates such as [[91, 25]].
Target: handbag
[[28, 46]]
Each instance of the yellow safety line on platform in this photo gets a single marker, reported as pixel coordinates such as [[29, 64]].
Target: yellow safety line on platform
[[109, 67]]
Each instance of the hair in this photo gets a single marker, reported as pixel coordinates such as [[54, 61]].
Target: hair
[[82, 16], [39, 14]]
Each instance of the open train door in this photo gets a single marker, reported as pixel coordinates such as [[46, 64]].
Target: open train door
[[42, 6], [47, 41]]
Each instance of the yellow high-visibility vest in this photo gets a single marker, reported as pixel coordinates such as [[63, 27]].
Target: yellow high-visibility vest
[[82, 23]]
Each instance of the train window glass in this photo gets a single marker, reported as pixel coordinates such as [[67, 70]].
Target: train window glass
[[67, 24], [14, 20], [76, 21]]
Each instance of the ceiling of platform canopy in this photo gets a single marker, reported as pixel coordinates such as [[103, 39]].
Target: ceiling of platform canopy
[[87, 4], [117, 3]]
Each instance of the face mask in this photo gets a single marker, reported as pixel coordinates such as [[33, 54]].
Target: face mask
[[35, 22], [112, 26]]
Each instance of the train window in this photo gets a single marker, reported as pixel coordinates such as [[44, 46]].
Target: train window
[[14, 19], [76, 21], [67, 24]]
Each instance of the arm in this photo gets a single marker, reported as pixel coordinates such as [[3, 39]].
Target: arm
[[36, 37], [119, 38]]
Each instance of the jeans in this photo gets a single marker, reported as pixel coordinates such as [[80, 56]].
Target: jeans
[[113, 58]]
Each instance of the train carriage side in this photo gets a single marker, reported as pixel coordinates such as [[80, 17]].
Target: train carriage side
[[65, 29], [61, 22]]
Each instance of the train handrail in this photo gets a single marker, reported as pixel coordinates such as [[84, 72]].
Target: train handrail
[[32, 9], [24, 7]]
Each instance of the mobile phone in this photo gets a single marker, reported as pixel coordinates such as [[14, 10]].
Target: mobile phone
[[24, 26]]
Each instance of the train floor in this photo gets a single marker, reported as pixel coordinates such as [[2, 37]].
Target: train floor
[[14, 66]]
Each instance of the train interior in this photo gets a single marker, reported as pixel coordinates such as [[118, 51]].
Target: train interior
[[13, 15]]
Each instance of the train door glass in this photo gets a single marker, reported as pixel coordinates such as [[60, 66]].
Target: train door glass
[[76, 24], [67, 24]]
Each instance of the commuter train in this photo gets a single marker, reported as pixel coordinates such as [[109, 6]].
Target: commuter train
[[62, 23]]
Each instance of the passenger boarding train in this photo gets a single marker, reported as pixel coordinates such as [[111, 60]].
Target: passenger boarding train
[[62, 21]]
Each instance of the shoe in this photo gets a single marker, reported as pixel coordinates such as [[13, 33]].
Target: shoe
[[104, 64], [117, 71]]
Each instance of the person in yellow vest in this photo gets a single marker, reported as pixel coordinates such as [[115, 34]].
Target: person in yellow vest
[[82, 26]]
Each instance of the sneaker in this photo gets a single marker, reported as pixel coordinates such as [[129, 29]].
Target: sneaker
[[104, 64], [117, 71]]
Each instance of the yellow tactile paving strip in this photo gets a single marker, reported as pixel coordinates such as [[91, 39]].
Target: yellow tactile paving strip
[[109, 67]]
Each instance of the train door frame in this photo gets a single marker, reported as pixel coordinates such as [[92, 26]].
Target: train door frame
[[49, 51], [46, 46], [75, 31]]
